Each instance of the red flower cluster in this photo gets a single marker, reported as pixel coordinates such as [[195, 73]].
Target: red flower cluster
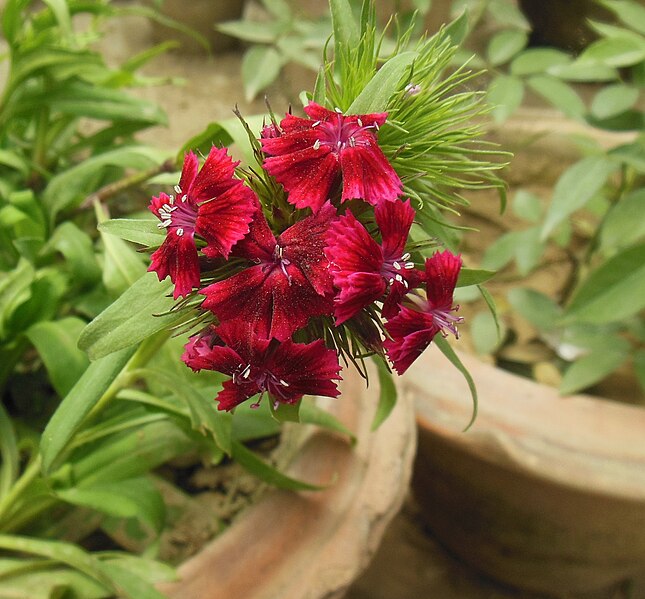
[[342, 265]]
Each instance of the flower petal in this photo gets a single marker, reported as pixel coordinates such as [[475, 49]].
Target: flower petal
[[215, 176], [394, 220], [367, 174], [411, 334], [442, 271], [358, 290], [233, 395], [178, 258], [188, 171]]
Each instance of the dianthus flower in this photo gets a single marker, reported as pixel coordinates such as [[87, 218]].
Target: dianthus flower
[[415, 326], [287, 282], [310, 155], [210, 203], [285, 370], [362, 269]]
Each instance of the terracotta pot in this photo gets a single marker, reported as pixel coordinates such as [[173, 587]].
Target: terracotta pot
[[314, 544], [544, 492]]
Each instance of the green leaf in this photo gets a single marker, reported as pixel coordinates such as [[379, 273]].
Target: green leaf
[[614, 52], [129, 584], [61, 12], [447, 351], [559, 94], [254, 32], [387, 393], [254, 423], [14, 291], [251, 462], [285, 412], [577, 71], [538, 60], [492, 308], [458, 29], [310, 413], [470, 276], [501, 251], [142, 231], [204, 415], [9, 467], [639, 367], [624, 223], [85, 394], [14, 161], [140, 312], [76, 246], [377, 93], [260, 67], [504, 45], [529, 250], [55, 341], [149, 569], [527, 205], [346, 29], [612, 100], [578, 184], [59, 551], [592, 368], [629, 12], [612, 292], [505, 95], [72, 186], [540, 310], [483, 330], [320, 93]]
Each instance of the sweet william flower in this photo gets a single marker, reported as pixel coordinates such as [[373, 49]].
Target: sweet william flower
[[413, 329], [363, 271], [284, 370], [210, 203], [286, 282], [311, 154]]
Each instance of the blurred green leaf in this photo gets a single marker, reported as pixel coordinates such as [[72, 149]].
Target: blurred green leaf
[[639, 367], [613, 100], [55, 342], [9, 466], [457, 29], [629, 12], [254, 32], [592, 368], [625, 224], [505, 95], [529, 250], [346, 29], [527, 205], [14, 291], [85, 394], [260, 67], [471, 276], [77, 247], [575, 188], [504, 45], [540, 310], [583, 72], [387, 393], [538, 60], [501, 251], [484, 333], [614, 52], [310, 413], [559, 94], [612, 292]]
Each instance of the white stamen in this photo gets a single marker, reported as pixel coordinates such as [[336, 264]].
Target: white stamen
[[184, 198], [405, 256], [284, 383], [352, 142], [171, 199], [246, 372], [376, 126], [399, 278], [177, 189], [339, 144], [396, 265], [317, 144], [338, 110], [315, 124], [180, 232], [391, 281], [409, 265], [170, 209], [360, 123], [164, 223]]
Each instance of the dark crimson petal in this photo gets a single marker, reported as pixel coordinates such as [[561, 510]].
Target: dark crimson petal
[[394, 220], [178, 258], [350, 248], [392, 303], [200, 355], [233, 395], [307, 175], [260, 242], [215, 176], [157, 202], [188, 172], [224, 221], [442, 271], [304, 244], [293, 139], [358, 290], [244, 297], [411, 333], [307, 369], [367, 174], [367, 120], [319, 113]]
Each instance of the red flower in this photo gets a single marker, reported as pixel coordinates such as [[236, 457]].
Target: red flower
[[288, 283], [286, 371], [310, 154], [210, 203], [362, 269], [412, 329]]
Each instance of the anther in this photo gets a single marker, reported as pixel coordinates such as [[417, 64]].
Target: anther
[[177, 189], [409, 265], [399, 278], [317, 144], [352, 142], [171, 199], [405, 256], [184, 198], [180, 231], [338, 110], [284, 383], [396, 265], [315, 124], [360, 123]]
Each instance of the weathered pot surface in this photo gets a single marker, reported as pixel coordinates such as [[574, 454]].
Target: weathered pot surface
[[544, 492], [314, 544]]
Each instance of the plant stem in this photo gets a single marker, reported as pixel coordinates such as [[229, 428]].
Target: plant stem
[[28, 476]]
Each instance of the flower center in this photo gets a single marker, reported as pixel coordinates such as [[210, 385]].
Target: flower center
[[265, 381], [281, 261], [446, 321], [338, 133], [178, 214], [394, 270]]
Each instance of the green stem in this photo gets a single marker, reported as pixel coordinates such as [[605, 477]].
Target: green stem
[[28, 476]]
